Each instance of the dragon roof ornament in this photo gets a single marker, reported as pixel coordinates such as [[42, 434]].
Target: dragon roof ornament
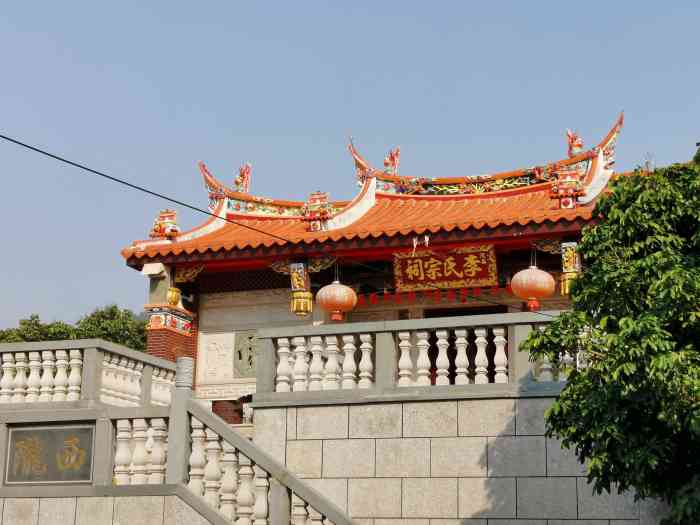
[[577, 178]]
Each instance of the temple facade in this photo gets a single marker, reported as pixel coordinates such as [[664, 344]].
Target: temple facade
[[410, 247], [362, 358]]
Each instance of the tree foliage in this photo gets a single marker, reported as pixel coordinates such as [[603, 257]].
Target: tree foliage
[[633, 415], [110, 323]]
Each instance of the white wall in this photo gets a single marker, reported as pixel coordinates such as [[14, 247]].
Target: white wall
[[221, 316]]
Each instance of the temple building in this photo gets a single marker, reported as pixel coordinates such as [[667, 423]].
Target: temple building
[[337, 363], [405, 248]]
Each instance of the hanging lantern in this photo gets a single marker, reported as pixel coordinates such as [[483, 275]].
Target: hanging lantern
[[531, 285], [302, 301], [336, 299]]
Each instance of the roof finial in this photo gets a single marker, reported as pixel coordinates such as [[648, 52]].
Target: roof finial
[[362, 167], [575, 143], [242, 182], [391, 161]]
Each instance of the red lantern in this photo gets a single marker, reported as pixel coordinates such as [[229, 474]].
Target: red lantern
[[336, 299], [532, 284]]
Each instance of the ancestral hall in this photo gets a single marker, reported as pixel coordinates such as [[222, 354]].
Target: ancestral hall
[[408, 247]]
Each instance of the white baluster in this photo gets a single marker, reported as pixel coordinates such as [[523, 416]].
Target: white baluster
[[284, 371], [75, 378], [212, 471], [163, 387], [156, 468], [245, 497], [47, 371], [481, 360], [139, 456], [261, 487], [168, 385], [130, 387], [198, 459], [8, 377], [299, 514], [121, 380], [315, 517], [136, 383], [500, 359], [19, 388], [366, 366], [423, 361], [229, 481], [566, 362], [316, 366], [122, 456], [34, 379], [60, 381], [349, 366], [405, 362], [157, 387], [330, 375], [301, 369], [106, 388], [461, 360], [546, 375], [442, 363]]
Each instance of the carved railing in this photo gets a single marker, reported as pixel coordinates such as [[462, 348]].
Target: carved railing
[[440, 354], [83, 370], [232, 476], [182, 450]]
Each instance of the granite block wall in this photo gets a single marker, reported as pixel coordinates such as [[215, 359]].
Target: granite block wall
[[469, 462], [142, 510]]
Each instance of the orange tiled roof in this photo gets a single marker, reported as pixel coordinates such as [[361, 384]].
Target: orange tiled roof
[[389, 205], [391, 215]]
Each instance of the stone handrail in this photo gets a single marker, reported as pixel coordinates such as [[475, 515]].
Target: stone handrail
[[182, 450], [243, 483], [83, 370], [396, 356]]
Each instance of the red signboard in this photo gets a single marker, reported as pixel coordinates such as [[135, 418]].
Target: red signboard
[[467, 267]]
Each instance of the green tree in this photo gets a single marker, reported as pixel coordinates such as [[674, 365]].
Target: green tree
[[110, 323], [633, 414], [114, 324]]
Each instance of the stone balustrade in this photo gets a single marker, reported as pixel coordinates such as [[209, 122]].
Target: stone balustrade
[[44, 376], [329, 363], [181, 449], [231, 483], [162, 383], [140, 456], [237, 483], [73, 371], [453, 353]]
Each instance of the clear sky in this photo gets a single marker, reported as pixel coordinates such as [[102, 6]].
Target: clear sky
[[143, 90]]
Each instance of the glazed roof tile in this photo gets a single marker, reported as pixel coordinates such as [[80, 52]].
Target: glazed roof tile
[[389, 205], [391, 215]]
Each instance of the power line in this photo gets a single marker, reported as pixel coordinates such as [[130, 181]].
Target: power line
[[135, 186], [195, 208]]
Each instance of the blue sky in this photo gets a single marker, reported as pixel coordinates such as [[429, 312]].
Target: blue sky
[[143, 90]]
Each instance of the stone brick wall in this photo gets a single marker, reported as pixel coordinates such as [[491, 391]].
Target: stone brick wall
[[141, 510], [169, 344], [469, 462]]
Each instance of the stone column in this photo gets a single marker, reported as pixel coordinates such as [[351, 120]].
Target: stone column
[[179, 427]]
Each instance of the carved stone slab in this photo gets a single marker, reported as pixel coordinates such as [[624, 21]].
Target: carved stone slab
[[50, 454]]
